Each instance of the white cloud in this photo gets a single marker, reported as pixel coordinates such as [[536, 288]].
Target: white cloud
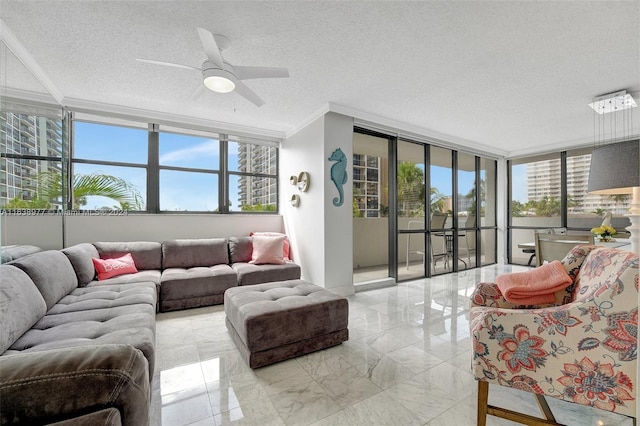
[[205, 149]]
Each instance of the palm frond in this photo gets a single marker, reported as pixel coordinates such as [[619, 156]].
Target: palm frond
[[104, 185]]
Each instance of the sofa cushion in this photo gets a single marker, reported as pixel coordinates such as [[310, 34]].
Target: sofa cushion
[[146, 254], [180, 283], [240, 249], [80, 257], [140, 276], [96, 298], [52, 273], [41, 387], [195, 252], [9, 253], [96, 316], [21, 305], [106, 417], [249, 274]]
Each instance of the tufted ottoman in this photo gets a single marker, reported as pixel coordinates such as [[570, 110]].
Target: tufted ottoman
[[281, 320]]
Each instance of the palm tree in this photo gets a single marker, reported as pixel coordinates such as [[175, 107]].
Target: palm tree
[[619, 199], [49, 187], [410, 187]]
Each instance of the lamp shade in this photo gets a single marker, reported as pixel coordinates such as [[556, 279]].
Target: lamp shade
[[615, 168]]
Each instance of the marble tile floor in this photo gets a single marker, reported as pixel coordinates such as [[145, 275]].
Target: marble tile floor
[[406, 363]]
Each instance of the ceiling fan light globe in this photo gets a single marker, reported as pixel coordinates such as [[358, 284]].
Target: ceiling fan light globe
[[218, 80], [219, 84]]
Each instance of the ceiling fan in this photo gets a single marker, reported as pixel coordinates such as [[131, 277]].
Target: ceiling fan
[[219, 75]]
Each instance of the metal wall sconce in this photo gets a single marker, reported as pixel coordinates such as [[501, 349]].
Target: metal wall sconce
[[301, 182]]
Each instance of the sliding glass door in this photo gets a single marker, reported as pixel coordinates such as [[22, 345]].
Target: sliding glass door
[[412, 252], [370, 208]]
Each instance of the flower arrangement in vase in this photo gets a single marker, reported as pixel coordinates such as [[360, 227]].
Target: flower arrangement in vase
[[604, 232]]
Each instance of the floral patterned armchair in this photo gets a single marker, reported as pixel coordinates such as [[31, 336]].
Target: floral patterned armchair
[[582, 348]]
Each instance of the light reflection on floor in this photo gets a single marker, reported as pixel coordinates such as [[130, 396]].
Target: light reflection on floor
[[406, 362]]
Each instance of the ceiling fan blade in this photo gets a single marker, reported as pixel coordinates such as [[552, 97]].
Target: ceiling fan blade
[[246, 73], [243, 90], [210, 47], [196, 92], [169, 64]]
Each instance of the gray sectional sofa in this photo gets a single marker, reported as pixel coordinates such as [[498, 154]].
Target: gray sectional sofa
[[70, 352], [188, 273], [76, 350]]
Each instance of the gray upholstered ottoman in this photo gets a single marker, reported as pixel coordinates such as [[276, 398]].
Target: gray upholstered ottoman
[[281, 320]]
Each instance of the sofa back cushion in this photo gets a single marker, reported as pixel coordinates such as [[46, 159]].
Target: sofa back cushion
[[80, 257], [241, 249], [52, 273], [146, 254], [194, 252], [9, 253], [21, 305]]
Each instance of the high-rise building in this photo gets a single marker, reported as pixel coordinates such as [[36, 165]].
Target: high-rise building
[[28, 135], [544, 180], [254, 190]]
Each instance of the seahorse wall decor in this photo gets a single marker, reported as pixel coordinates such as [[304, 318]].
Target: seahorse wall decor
[[339, 174]]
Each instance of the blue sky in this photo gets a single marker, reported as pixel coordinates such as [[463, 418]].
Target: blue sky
[[184, 190]]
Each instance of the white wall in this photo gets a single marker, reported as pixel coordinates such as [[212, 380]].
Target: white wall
[[304, 151], [338, 220], [321, 233], [47, 232], [42, 231]]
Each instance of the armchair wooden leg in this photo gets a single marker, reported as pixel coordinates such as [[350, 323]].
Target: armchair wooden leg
[[483, 399], [544, 407], [485, 409]]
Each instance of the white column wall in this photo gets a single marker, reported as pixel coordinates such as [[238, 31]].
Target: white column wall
[[338, 220], [321, 233], [304, 151]]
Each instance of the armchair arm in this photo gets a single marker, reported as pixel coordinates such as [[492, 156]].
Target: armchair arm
[[54, 385]]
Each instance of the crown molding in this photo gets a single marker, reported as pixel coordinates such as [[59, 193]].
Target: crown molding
[[29, 62], [98, 108], [570, 144], [310, 119], [415, 132], [27, 95]]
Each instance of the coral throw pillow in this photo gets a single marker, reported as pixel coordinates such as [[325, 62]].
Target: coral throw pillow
[[267, 249], [108, 268], [285, 247]]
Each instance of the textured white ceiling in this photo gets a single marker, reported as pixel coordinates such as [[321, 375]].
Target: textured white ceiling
[[512, 76]]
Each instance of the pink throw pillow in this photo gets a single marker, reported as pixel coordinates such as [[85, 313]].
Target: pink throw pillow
[[108, 268], [267, 249], [285, 247]]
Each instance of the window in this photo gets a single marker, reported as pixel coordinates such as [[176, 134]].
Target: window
[[253, 177], [31, 150], [189, 172], [109, 167], [538, 200], [367, 184]]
